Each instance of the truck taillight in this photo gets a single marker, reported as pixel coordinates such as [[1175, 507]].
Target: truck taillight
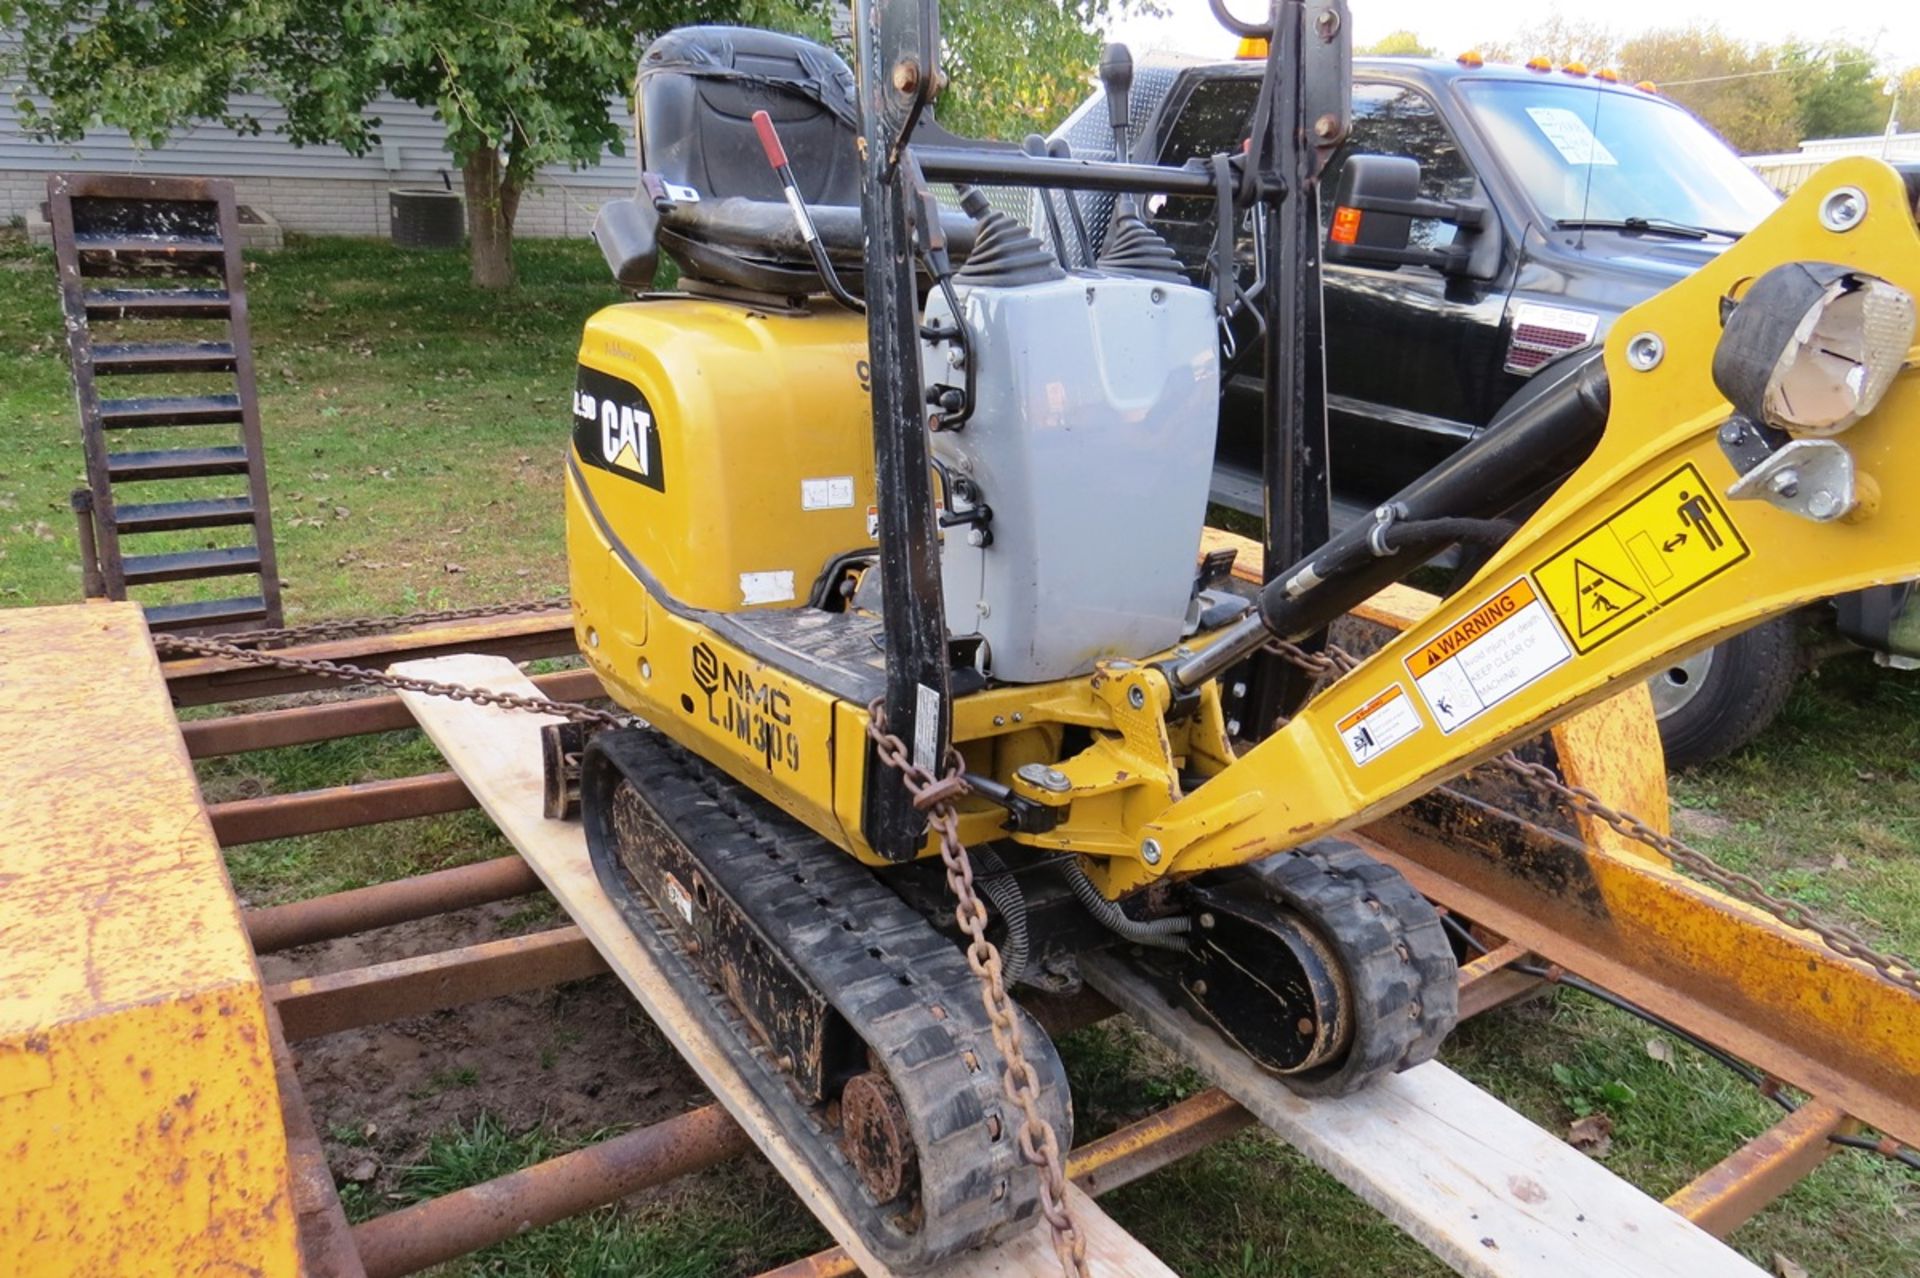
[[1346, 225], [1541, 333]]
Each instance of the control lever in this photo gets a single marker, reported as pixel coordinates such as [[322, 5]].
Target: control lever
[[1036, 146], [1131, 246], [1059, 149], [777, 159], [1116, 77]]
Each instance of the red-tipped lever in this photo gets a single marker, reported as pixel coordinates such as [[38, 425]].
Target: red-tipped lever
[[777, 160], [770, 141]]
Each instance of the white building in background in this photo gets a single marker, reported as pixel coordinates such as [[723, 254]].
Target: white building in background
[[321, 190], [1785, 172]]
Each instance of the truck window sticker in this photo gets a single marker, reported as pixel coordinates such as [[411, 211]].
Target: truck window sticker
[[1570, 136]]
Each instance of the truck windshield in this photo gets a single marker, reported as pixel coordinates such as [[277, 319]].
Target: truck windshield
[[1592, 157]]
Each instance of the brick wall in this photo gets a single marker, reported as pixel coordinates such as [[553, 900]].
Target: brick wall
[[334, 206]]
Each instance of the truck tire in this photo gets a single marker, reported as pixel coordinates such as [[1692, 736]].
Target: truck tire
[[1718, 700]]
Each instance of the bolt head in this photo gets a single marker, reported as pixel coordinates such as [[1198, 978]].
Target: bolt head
[[1823, 504], [975, 537], [1327, 127], [1786, 482], [1199, 989], [1645, 351], [906, 75], [1135, 697], [1843, 209], [1206, 922], [1150, 851]]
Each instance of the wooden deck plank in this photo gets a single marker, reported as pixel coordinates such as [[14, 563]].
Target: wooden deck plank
[[1486, 1191], [497, 753]]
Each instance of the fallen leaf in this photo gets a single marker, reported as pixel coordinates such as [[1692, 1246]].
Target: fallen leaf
[[1839, 862], [1661, 1050], [370, 1131], [366, 1169], [1783, 1267], [341, 512], [455, 568], [1592, 1135]]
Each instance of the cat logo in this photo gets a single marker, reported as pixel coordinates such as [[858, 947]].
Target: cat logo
[[620, 428], [614, 428]]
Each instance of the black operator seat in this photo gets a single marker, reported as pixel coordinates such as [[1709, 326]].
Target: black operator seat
[[708, 196]]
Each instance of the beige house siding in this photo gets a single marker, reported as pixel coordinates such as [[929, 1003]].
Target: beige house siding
[[321, 190]]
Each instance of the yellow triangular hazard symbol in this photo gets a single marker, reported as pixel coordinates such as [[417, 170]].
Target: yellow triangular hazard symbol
[[1602, 597], [626, 459]]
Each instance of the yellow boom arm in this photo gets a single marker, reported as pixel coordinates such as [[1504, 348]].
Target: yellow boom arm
[[1648, 552]]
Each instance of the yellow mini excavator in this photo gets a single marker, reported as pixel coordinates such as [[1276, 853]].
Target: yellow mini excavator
[[885, 522]]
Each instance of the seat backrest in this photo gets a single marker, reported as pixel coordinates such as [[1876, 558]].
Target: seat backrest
[[698, 88]]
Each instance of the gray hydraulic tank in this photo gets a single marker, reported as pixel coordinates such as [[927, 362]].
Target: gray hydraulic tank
[[1091, 443]]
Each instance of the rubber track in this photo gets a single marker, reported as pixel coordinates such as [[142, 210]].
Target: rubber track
[[1400, 970], [881, 965]]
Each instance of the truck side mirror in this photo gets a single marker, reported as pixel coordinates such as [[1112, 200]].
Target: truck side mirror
[[1375, 203]]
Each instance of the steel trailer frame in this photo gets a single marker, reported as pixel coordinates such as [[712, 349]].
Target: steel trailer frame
[[432, 1232]]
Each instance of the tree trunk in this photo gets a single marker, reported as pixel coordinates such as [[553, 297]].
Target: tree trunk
[[492, 200]]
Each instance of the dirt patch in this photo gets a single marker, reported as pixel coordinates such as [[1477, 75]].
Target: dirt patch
[[578, 1058], [1698, 823]]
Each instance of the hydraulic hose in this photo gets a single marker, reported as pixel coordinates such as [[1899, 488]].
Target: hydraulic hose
[[1164, 934], [1529, 451], [1003, 889]]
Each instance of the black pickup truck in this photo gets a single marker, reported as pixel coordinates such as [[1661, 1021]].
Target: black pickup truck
[[1599, 194]]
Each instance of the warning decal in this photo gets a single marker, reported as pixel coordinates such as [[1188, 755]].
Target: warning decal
[[1379, 725], [1487, 656], [1656, 548]]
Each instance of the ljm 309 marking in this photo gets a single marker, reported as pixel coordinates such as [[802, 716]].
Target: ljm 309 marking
[[757, 714]]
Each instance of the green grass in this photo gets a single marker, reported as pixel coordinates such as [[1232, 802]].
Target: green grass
[[412, 423], [435, 418], [1825, 808]]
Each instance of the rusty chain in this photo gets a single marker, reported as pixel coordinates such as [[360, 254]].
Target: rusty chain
[[1039, 1144], [1839, 938], [348, 627], [170, 645]]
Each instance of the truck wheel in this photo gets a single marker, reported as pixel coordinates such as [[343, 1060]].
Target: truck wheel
[[1716, 701]]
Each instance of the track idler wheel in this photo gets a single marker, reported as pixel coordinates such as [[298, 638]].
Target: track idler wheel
[[1324, 966]]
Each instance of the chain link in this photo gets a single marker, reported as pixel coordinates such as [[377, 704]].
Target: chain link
[[347, 627], [1039, 1144], [1839, 938], [181, 645]]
